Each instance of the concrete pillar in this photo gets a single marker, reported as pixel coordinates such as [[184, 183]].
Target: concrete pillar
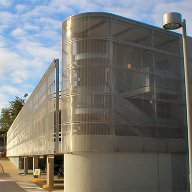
[[117, 171], [35, 163], [20, 163], [50, 170], [89, 171], [26, 164]]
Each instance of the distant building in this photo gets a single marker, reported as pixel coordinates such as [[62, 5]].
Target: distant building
[[122, 108]]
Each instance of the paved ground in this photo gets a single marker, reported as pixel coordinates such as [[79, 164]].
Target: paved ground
[[12, 180]]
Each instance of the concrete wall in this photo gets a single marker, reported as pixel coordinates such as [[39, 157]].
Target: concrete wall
[[15, 161], [122, 171]]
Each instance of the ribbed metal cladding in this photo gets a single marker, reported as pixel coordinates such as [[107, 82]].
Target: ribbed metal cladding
[[122, 85], [122, 90], [32, 132], [87, 91]]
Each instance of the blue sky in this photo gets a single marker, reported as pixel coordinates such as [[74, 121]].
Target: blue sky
[[30, 33]]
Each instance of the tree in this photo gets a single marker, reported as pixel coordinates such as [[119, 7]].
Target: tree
[[16, 106], [5, 123], [8, 114], [6, 119]]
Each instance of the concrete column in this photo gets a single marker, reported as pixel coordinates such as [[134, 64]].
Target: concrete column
[[35, 162], [26, 164], [89, 171], [20, 163], [50, 170], [117, 171]]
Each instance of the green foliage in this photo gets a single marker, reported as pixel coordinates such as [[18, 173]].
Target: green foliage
[[6, 119], [8, 114], [16, 106]]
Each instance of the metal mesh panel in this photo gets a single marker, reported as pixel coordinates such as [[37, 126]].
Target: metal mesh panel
[[32, 132], [118, 93]]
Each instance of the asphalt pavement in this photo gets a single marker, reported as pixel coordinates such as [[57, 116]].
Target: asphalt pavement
[[13, 180]]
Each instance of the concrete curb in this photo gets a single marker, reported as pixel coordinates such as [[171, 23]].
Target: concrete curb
[[44, 180], [54, 186], [39, 181]]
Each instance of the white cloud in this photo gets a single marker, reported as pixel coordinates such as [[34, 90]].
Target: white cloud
[[7, 17], [61, 6], [28, 86], [184, 7], [21, 8], [18, 33], [6, 3], [37, 51], [39, 11], [7, 59], [30, 27], [48, 21], [8, 20], [3, 100], [2, 41], [18, 76], [10, 90]]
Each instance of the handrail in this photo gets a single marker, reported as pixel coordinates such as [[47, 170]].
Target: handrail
[[1, 169]]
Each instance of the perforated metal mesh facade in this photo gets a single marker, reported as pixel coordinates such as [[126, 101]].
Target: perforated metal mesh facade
[[122, 90], [33, 130], [123, 87]]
